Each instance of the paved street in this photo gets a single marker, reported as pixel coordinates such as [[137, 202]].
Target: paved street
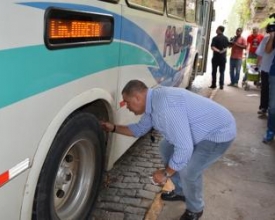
[[127, 193]]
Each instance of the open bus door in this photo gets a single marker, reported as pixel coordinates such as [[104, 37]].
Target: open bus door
[[208, 16]]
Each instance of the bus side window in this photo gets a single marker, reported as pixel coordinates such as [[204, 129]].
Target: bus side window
[[213, 18], [175, 8], [199, 12], [113, 1], [190, 10], [155, 5]]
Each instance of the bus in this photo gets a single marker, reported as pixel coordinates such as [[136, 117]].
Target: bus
[[63, 66]]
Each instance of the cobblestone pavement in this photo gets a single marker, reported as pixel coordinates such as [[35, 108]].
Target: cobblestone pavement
[[127, 192]]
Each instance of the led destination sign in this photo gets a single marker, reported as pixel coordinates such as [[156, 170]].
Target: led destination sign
[[65, 28], [72, 29]]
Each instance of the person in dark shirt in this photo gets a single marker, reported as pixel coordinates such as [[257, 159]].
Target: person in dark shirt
[[218, 45]]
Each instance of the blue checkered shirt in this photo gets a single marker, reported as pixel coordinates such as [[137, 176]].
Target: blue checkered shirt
[[184, 119]]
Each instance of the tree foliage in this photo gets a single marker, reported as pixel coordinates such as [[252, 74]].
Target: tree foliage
[[239, 16], [244, 11]]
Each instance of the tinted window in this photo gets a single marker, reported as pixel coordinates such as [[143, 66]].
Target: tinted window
[[175, 8], [199, 12], [190, 10], [156, 5]]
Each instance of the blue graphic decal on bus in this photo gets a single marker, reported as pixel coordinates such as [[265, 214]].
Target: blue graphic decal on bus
[[163, 73]]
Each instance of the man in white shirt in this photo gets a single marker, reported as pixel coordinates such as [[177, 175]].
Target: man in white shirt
[[264, 62]]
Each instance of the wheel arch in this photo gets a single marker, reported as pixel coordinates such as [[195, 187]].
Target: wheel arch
[[193, 72], [89, 101]]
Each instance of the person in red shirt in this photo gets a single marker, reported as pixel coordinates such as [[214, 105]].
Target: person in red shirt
[[253, 41], [238, 44]]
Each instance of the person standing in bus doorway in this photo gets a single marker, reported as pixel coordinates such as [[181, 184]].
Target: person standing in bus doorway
[[238, 44], [218, 45], [197, 132]]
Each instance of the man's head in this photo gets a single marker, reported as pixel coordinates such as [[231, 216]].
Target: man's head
[[239, 31], [255, 31], [134, 95], [220, 29], [270, 27]]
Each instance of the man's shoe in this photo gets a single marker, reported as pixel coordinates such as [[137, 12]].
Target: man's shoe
[[212, 87], [231, 84], [221, 87], [191, 215], [262, 111], [171, 196], [269, 136], [263, 116], [235, 85]]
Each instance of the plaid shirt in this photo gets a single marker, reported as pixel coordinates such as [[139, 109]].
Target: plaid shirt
[[184, 119]]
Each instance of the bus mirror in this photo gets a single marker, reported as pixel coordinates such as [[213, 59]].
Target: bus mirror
[[213, 15]]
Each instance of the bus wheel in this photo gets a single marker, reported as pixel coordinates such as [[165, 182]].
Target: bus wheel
[[71, 174]]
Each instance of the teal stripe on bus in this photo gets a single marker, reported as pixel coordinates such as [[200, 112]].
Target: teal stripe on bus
[[27, 71]]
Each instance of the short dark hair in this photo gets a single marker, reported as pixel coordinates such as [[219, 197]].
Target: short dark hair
[[221, 28], [239, 29], [134, 86]]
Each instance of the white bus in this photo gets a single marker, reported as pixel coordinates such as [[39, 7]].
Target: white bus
[[63, 66]]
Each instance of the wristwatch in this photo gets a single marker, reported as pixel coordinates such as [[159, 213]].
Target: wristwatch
[[166, 174]]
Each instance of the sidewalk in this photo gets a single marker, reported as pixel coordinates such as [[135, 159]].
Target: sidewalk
[[241, 185]]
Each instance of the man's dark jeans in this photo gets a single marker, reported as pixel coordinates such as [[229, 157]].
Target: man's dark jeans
[[264, 90]]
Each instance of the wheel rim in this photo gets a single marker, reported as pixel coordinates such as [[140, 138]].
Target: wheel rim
[[74, 180]]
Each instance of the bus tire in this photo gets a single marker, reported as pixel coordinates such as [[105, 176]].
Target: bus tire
[[72, 171], [193, 74]]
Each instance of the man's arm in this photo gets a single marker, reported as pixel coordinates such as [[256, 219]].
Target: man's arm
[[177, 133], [119, 129], [243, 45], [215, 49], [240, 45], [136, 130], [259, 60], [213, 45], [269, 46], [260, 51]]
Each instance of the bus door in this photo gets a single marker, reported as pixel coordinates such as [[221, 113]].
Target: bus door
[[208, 13]]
